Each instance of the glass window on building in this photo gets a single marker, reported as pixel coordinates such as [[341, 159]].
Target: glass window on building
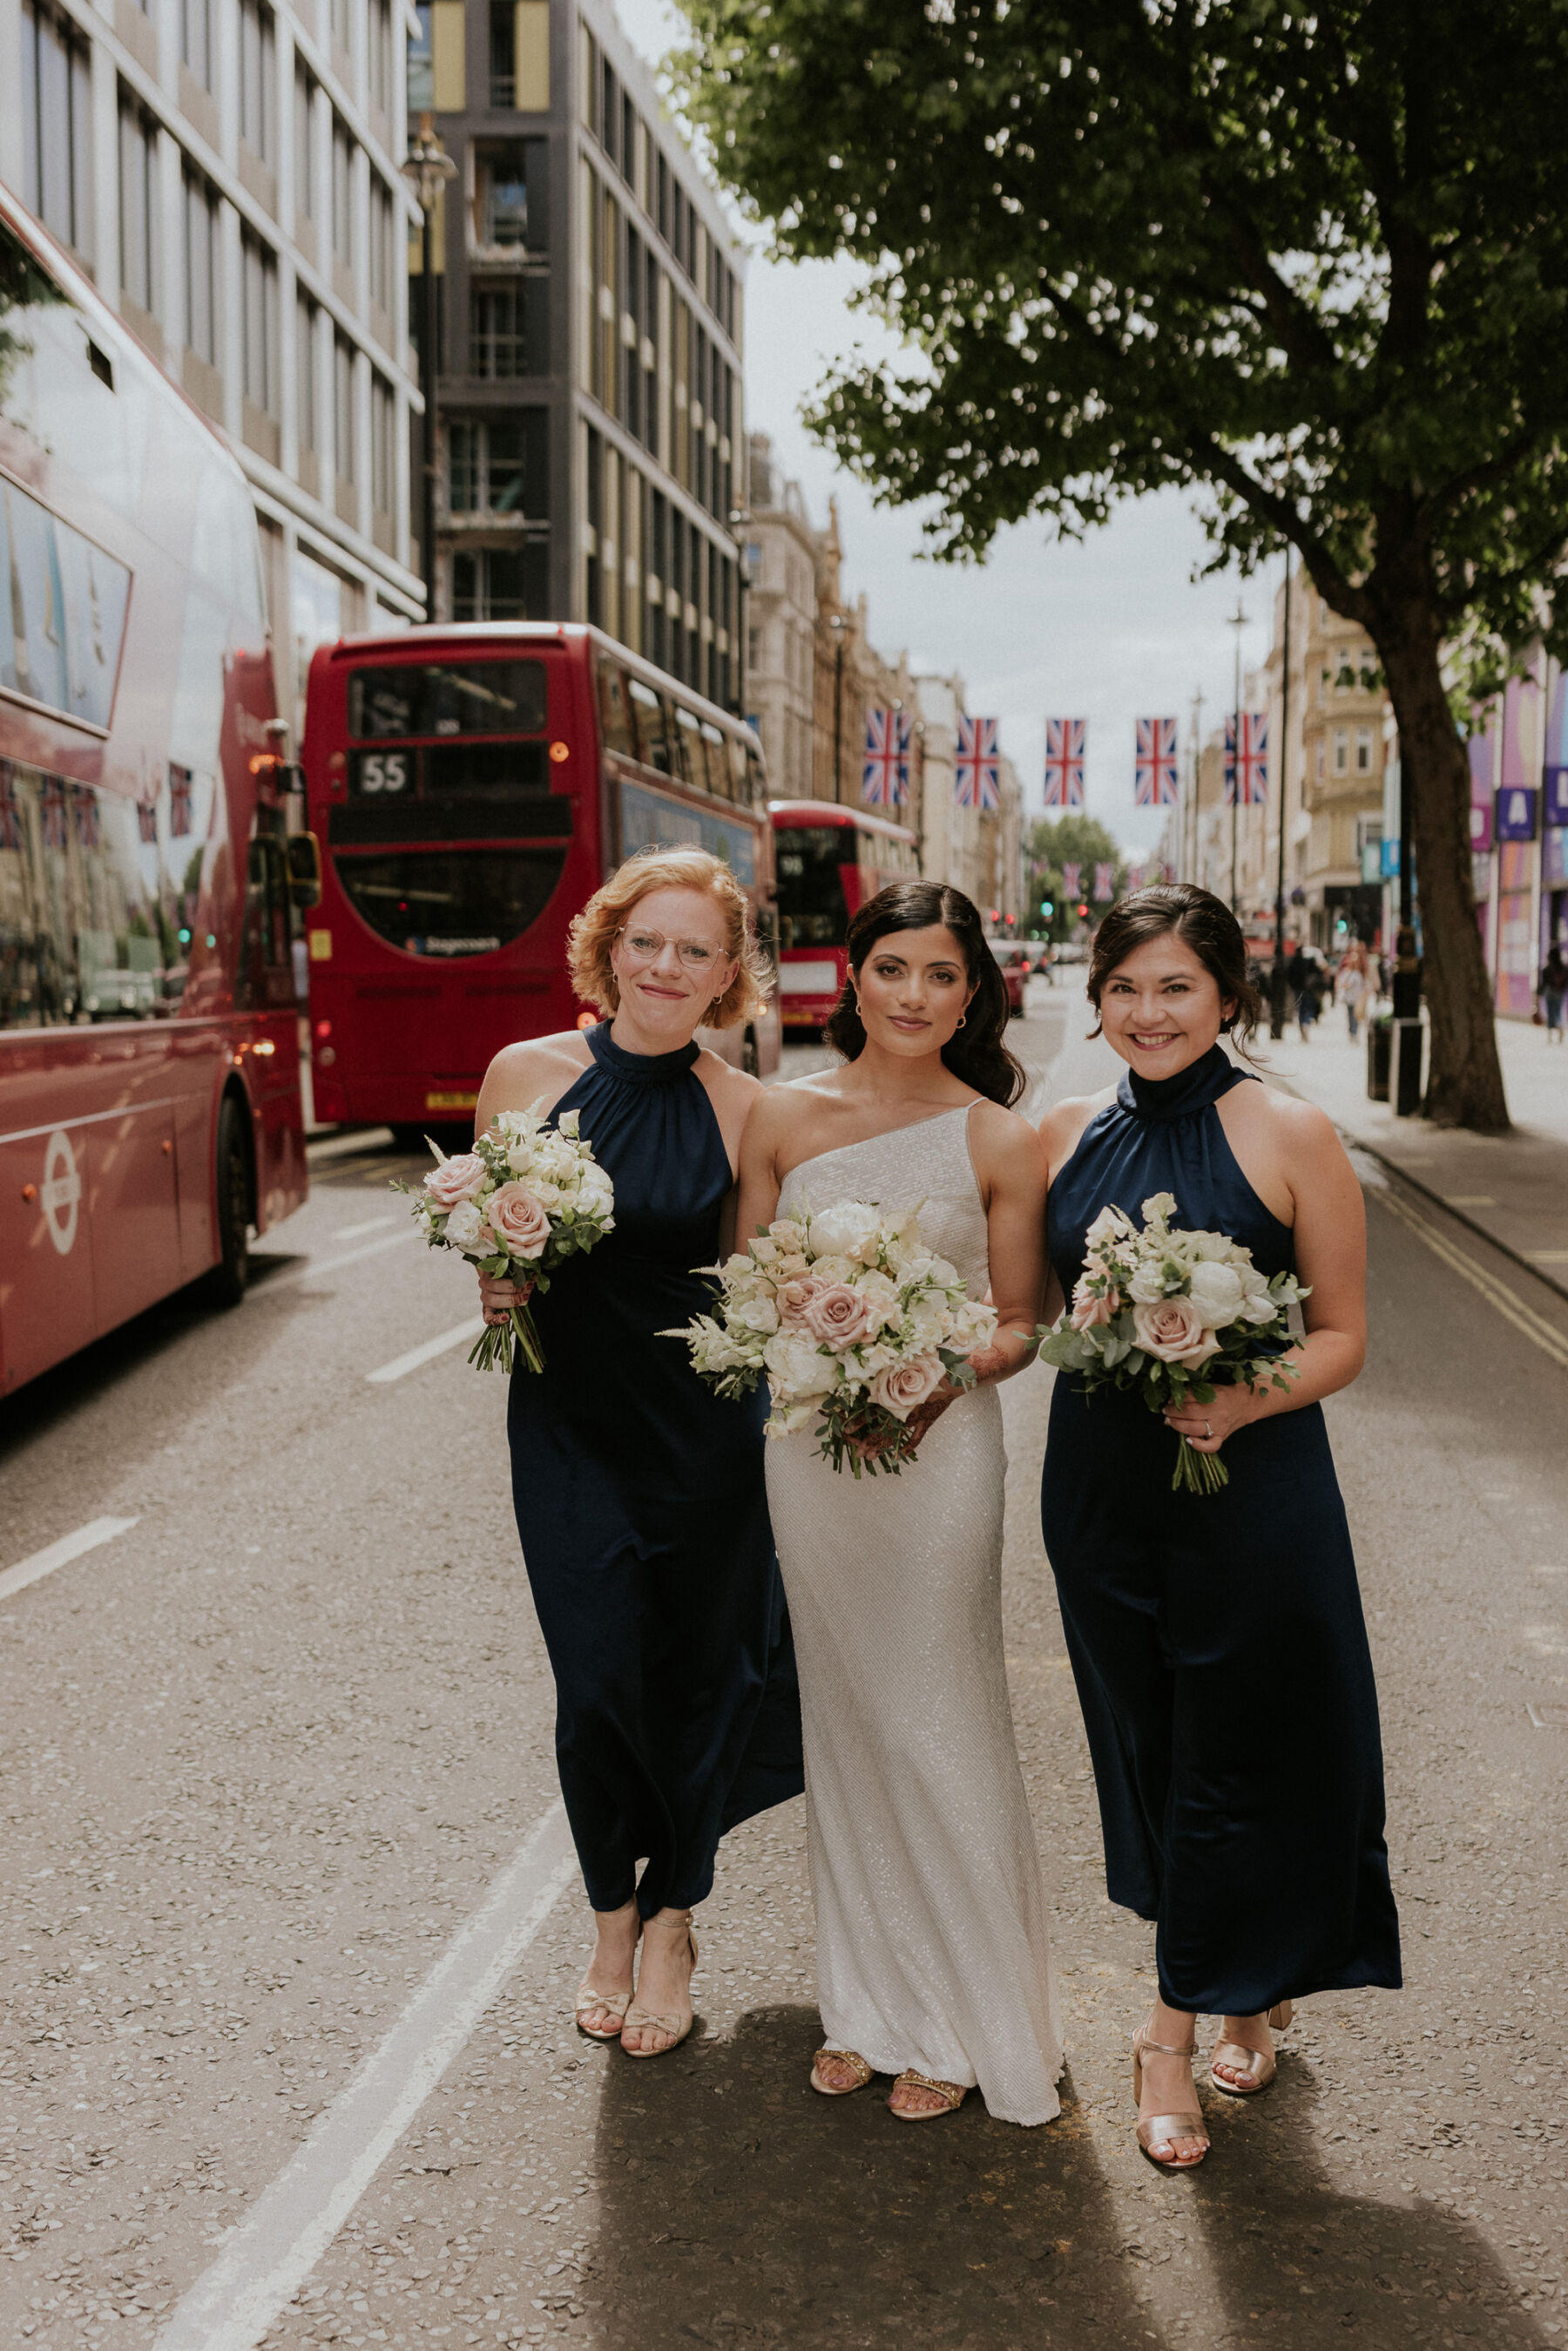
[[305, 398], [381, 56], [1342, 750], [196, 41], [343, 407], [258, 274], [258, 62], [509, 195], [1363, 750], [509, 328], [138, 203], [420, 67], [502, 53], [383, 413], [303, 143], [383, 244], [56, 127], [501, 583], [201, 205], [342, 191], [497, 465]]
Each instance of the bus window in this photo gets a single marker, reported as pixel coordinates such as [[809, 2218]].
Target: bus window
[[616, 723], [740, 778], [265, 974], [691, 766], [412, 698], [812, 908], [758, 779], [718, 763], [652, 735]]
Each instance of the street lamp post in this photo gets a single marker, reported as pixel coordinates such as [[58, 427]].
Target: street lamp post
[[1238, 622], [1277, 981], [427, 168]]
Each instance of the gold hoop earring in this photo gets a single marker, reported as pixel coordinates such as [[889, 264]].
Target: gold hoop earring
[[962, 1018]]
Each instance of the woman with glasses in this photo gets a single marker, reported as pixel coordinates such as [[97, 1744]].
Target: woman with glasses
[[638, 1494]]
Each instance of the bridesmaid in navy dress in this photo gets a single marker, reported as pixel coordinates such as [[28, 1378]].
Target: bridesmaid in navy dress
[[640, 1495], [1217, 1641]]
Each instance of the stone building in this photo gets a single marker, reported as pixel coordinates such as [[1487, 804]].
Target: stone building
[[782, 556]]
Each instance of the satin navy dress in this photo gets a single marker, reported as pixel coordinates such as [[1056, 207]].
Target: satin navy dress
[[1217, 1641], [644, 1520]]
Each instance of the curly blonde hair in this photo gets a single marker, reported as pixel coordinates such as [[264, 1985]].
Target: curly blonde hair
[[593, 932]]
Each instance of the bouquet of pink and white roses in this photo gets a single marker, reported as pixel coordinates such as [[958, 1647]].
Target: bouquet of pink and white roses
[[1164, 1311], [851, 1322], [525, 1199]]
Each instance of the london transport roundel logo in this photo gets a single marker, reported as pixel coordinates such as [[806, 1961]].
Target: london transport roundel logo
[[62, 1190]]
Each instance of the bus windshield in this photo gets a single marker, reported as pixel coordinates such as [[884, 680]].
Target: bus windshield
[[813, 912], [412, 698]]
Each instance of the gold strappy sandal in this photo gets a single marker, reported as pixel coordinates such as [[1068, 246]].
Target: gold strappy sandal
[[954, 2093], [1257, 2066], [1156, 2130], [856, 2064], [641, 2020]]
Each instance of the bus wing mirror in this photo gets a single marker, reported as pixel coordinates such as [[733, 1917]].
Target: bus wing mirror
[[304, 851]]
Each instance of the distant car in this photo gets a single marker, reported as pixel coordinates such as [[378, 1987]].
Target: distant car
[[1016, 963]]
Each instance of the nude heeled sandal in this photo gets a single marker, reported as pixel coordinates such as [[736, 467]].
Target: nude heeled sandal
[[856, 2064], [1153, 2130], [590, 1999], [1258, 2066], [641, 2020]]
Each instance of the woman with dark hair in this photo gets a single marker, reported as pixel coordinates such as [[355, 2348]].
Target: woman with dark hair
[[932, 1959], [1217, 1640]]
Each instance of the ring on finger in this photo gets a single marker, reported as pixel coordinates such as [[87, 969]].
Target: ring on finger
[[1208, 1429]]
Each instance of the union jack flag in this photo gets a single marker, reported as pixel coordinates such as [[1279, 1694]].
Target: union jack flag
[[1135, 878], [885, 777], [179, 800], [1156, 776], [52, 806], [10, 810], [977, 771], [1247, 772], [1064, 739], [89, 831], [1104, 888], [1071, 881], [147, 819]]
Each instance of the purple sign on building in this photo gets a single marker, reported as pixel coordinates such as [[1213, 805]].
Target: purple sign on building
[[1555, 781], [1516, 812]]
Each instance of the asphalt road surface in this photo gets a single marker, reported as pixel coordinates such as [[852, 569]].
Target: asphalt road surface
[[290, 1935]]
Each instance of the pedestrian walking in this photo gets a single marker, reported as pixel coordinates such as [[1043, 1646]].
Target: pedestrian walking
[[1232, 1713], [1306, 982], [1353, 984], [1552, 988], [638, 1494]]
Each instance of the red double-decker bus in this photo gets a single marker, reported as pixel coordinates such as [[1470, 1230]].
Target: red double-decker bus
[[472, 787], [831, 860], [149, 1099]]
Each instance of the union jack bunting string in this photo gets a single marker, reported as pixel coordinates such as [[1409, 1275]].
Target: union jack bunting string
[[10, 810], [1156, 776], [977, 770], [1071, 881], [52, 809], [1104, 888], [885, 777], [1251, 765], [179, 800], [1064, 739]]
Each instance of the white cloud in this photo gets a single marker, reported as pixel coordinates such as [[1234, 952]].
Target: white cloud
[[1111, 630]]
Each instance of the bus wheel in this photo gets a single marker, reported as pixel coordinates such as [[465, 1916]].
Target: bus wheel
[[751, 1055], [225, 1285]]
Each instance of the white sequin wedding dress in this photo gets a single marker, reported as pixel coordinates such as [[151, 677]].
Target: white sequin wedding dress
[[931, 1939]]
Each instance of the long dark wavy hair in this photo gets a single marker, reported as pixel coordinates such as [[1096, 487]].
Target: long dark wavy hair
[[977, 1051], [1206, 925]]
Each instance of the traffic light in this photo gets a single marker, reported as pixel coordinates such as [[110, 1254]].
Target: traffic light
[[1083, 910], [1047, 907]]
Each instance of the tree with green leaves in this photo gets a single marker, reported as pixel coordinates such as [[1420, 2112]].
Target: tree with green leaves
[[1054, 843], [1312, 264]]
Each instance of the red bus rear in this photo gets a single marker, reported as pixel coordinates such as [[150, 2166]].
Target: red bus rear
[[472, 787], [831, 860], [149, 1102]]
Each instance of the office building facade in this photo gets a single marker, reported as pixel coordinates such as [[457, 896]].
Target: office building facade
[[588, 292]]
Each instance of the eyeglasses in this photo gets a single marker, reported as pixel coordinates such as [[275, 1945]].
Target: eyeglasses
[[647, 947]]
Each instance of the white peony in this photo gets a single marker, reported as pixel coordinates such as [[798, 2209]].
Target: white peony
[[1217, 1292], [849, 1228], [757, 1314], [1148, 1282], [797, 1367], [465, 1231]]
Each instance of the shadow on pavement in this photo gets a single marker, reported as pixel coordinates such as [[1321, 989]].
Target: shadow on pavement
[[739, 2207], [1300, 2263]]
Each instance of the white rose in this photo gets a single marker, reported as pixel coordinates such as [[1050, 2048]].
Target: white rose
[[796, 1366], [849, 1228], [1216, 1290], [788, 1234], [1148, 1283], [466, 1230], [755, 1314], [834, 1268]]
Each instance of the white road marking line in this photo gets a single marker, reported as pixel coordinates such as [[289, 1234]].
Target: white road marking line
[[61, 1553], [1508, 1302], [416, 1356], [319, 1265], [352, 1232], [271, 2253]]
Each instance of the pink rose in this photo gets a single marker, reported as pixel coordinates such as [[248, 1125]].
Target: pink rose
[[838, 1316], [793, 1297], [520, 1222], [1173, 1330], [457, 1179], [1089, 1311], [902, 1387]]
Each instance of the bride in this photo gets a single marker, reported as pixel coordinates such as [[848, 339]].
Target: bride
[[933, 1958]]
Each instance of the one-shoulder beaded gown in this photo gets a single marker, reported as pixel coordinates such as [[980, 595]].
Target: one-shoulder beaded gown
[[1217, 1640], [931, 1942], [644, 1522]]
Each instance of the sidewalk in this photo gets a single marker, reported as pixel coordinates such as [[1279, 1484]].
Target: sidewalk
[[1511, 1188]]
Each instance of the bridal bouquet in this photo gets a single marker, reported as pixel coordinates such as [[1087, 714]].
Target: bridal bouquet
[[525, 1199], [851, 1322], [1163, 1312]]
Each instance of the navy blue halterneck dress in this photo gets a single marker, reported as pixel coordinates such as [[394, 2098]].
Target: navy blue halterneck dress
[[644, 1520], [1217, 1641]]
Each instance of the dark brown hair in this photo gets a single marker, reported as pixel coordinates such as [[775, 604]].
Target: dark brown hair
[[977, 1051], [1202, 922]]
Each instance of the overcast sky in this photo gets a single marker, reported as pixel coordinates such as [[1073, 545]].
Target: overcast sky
[[1111, 631]]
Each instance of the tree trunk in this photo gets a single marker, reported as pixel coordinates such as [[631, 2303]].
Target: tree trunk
[[1464, 1081]]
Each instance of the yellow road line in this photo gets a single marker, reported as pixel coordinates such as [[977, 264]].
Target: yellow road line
[[1508, 1302]]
